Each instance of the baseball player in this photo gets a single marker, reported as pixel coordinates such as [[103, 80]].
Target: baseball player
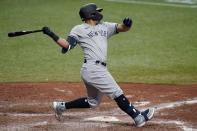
[[92, 36]]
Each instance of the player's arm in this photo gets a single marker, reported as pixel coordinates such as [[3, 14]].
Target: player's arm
[[65, 44], [125, 26]]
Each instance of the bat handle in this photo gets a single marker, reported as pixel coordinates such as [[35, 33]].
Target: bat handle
[[38, 31]]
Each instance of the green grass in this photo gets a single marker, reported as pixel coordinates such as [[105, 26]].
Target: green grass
[[161, 48]]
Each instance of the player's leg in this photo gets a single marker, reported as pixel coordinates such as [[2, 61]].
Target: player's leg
[[107, 85], [113, 91], [94, 96], [93, 100], [140, 118], [60, 107], [125, 105]]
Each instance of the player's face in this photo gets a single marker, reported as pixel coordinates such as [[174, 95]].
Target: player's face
[[99, 16], [96, 18]]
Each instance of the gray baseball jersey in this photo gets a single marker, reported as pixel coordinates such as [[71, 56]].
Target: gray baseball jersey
[[93, 40]]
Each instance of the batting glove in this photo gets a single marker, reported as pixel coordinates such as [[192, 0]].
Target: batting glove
[[48, 32], [127, 21]]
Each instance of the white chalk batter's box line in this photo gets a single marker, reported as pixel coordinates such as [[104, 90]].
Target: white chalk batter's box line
[[193, 4], [181, 124]]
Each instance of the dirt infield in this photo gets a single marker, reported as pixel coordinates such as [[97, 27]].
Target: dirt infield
[[27, 106]]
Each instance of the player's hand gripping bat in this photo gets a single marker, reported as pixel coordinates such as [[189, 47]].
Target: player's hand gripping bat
[[19, 33]]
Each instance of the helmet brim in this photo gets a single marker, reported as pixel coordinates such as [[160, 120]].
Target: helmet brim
[[99, 9]]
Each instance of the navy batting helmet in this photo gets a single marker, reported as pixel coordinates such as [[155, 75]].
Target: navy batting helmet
[[90, 11]]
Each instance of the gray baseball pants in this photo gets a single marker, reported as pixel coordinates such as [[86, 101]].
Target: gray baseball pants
[[98, 82]]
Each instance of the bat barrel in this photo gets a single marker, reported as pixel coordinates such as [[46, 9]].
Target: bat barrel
[[19, 33], [11, 34]]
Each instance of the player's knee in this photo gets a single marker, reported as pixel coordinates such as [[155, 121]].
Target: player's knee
[[116, 93], [93, 103]]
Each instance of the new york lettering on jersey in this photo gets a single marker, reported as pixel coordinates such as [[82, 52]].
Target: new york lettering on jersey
[[97, 33]]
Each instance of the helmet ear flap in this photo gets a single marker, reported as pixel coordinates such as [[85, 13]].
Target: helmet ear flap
[[92, 15]]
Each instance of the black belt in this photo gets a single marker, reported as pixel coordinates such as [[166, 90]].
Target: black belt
[[97, 62]]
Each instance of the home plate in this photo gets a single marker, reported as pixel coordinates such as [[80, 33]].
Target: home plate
[[102, 118]]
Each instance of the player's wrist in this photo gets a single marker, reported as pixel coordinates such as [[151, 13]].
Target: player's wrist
[[48, 32], [53, 36]]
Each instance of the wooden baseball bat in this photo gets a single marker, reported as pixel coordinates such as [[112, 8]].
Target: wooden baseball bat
[[19, 33]]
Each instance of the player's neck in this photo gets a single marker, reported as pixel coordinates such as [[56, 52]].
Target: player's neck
[[91, 22]]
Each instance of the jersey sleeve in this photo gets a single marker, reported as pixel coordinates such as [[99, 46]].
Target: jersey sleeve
[[111, 29], [72, 39], [72, 43], [75, 33]]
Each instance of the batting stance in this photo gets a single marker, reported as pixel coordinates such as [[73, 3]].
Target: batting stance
[[92, 36]]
